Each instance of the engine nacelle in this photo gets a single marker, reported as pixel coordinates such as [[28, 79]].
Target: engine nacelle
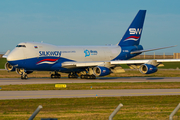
[[20, 71], [9, 67], [148, 69], [101, 71]]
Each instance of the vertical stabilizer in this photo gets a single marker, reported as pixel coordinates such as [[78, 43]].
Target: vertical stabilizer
[[133, 33]]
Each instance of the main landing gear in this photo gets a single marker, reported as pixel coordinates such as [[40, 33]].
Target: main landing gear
[[24, 76], [56, 75], [88, 77], [72, 75]]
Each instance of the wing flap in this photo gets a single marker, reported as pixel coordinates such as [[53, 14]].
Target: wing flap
[[80, 64]]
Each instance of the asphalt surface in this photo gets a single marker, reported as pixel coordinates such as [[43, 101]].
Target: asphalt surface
[[84, 93], [13, 81]]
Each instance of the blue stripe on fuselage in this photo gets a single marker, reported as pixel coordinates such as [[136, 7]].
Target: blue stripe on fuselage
[[31, 63]]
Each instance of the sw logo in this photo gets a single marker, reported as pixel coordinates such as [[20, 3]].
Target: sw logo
[[135, 31], [91, 52]]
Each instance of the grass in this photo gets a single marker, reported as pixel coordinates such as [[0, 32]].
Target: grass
[[136, 108], [95, 86], [2, 62]]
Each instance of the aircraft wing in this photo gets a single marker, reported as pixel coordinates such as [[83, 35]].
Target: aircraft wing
[[116, 62], [140, 51], [6, 54]]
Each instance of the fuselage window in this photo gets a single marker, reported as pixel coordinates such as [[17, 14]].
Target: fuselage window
[[20, 46]]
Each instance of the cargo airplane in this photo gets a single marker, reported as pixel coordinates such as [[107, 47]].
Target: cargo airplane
[[84, 61]]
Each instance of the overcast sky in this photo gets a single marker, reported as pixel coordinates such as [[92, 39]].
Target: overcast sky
[[88, 22]]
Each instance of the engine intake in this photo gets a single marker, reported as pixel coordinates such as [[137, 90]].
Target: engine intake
[[9, 67], [101, 71], [148, 69]]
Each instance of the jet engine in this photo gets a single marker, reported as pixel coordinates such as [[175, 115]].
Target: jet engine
[[9, 67], [20, 71], [101, 71], [148, 69]]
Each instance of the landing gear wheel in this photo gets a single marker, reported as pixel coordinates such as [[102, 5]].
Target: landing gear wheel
[[24, 76], [55, 76], [88, 77], [52, 76], [58, 76], [72, 75]]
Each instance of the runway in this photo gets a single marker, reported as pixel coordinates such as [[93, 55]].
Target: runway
[[84, 93], [13, 81]]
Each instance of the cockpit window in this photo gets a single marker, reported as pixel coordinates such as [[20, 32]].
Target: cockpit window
[[20, 46]]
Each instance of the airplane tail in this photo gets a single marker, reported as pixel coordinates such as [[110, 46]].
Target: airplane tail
[[133, 33]]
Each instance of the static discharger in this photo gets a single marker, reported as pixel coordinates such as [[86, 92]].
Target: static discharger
[[60, 85]]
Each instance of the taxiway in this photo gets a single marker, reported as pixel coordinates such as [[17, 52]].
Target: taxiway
[[85, 93], [13, 81]]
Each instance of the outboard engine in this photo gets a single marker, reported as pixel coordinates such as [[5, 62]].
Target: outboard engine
[[101, 71], [148, 69], [9, 67]]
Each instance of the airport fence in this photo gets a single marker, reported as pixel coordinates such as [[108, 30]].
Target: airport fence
[[110, 117]]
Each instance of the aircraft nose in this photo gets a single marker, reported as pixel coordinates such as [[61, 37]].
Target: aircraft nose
[[9, 57], [15, 55]]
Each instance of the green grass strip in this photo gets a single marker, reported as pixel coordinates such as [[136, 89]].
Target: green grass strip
[[135, 108], [96, 86]]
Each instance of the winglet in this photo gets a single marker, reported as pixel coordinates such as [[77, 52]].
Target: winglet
[[6, 54]]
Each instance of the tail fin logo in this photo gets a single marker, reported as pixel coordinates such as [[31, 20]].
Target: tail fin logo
[[135, 31], [135, 38]]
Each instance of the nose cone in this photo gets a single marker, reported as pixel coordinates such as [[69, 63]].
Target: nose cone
[[9, 58], [15, 55]]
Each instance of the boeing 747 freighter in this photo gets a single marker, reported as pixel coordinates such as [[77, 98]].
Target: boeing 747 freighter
[[84, 61]]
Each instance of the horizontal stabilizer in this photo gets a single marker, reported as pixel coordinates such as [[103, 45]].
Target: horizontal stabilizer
[[140, 51]]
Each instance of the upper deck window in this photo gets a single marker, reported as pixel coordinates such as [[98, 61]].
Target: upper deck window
[[20, 46]]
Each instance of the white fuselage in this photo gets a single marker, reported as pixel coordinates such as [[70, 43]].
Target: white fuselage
[[74, 53]]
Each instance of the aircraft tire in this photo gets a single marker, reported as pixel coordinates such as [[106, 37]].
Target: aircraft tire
[[93, 77], [24, 77], [72, 76], [52, 76], [58, 76]]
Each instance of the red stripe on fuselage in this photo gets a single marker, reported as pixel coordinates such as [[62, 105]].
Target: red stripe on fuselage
[[51, 60]]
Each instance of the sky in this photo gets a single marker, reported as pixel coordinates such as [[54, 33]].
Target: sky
[[88, 22]]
